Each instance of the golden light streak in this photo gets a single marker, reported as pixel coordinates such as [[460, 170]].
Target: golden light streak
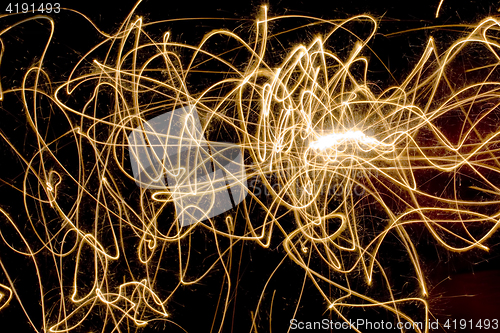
[[327, 145], [439, 8]]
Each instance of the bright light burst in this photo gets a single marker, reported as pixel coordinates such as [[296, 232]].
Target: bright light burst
[[329, 147], [335, 139]]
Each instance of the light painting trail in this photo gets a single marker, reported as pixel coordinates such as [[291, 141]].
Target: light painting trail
[[128, 163]]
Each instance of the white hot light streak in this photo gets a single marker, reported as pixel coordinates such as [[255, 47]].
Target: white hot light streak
[[335, 139]]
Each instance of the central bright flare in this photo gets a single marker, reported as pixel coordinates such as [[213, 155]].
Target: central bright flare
[[335, 139]]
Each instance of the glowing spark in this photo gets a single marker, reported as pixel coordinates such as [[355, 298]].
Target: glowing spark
[[335, 139]]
